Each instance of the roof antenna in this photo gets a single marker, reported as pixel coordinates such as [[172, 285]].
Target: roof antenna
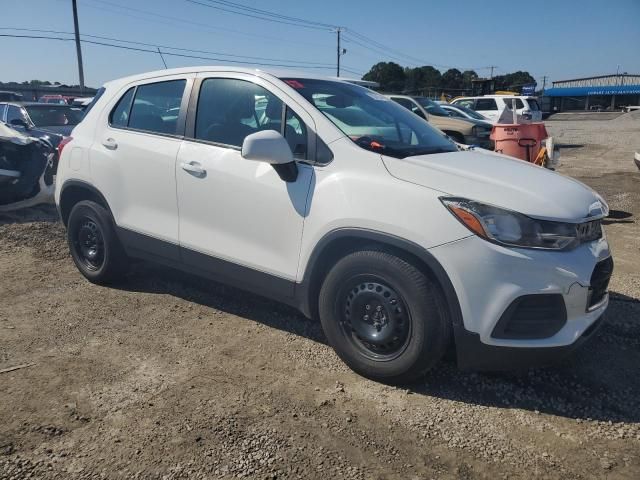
[[165, 63]]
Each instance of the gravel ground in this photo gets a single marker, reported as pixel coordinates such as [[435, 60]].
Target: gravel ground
[[168, 376]]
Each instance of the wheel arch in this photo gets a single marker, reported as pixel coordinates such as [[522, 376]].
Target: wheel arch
[[74, 191], [341, 242]]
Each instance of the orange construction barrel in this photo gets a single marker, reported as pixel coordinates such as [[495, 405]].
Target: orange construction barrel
[[522, 140]]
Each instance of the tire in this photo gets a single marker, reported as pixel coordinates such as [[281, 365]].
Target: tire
[[384, 318], [93, 243]]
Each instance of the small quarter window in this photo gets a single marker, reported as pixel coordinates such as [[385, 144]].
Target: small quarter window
[[295, 132], [120, 114]]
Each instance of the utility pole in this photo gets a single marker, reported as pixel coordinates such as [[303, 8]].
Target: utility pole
[[338, 30], [78, 48], [492, 67], [544, 82]]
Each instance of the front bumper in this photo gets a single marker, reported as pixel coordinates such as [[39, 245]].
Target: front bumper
[[488, 278]]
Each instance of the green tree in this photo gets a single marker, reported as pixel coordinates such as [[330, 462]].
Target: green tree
[[421, 79], [513, 81], [389, 75], [452, 79], [467, 77]]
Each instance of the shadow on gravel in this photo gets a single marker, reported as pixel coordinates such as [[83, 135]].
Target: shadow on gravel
[[150, 278], [618, 216], [598, 382], [569, 145], [40, 213]]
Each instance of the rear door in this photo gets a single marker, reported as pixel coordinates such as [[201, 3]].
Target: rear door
[[238, 218], [133, 161]]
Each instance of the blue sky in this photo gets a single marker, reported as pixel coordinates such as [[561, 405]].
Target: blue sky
[[559, 39]]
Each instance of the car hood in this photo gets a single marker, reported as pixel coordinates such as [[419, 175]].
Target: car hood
[[501, 181]]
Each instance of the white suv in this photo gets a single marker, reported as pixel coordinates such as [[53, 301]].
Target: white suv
[[336, 200], [492, 106]]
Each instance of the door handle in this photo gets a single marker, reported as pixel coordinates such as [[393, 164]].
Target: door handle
[[193, 167], [110, 143]]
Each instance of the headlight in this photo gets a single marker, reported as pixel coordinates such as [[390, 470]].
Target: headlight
[[513, 229], [478, 131]]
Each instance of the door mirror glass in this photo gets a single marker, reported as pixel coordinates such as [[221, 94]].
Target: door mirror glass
[[267, 146]]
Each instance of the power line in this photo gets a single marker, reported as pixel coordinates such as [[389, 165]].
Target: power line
[[93, 42], [303, 23], [155, 45], [268, 13], [171, 21]]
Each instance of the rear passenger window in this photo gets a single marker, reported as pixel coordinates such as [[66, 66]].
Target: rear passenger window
[[120, 115], [230, 109], [156, 107], [486, 104]]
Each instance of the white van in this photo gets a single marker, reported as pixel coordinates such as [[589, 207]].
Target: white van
[[342, 203], [492, 106]]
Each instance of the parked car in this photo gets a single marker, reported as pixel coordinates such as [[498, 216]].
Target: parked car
[[458, 111], [492, 106], [51, 122], [465, 131], [10, 96], [340, 203], [56, 99], [26, 170]]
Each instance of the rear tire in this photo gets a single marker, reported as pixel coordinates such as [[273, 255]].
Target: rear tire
[[384, 318], [93, 243]]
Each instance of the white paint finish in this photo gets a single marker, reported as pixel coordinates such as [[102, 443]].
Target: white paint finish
[[241, 210], [488, 277], [501, 181], [356, 191], [213, 201]]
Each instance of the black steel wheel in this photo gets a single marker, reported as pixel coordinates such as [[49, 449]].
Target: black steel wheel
[[383, 316], [93, 243], [90, 244], [376, 318]]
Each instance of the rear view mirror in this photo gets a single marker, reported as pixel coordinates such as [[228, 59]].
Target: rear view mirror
[[339, 101], [271, 147]]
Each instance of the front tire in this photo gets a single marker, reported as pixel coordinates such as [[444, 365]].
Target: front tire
[[384, 317], [93, 243]]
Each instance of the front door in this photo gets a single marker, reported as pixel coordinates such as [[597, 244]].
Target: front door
[[238, 219]]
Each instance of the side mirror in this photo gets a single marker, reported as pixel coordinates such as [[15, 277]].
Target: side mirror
[[18, 122], [271, 147]]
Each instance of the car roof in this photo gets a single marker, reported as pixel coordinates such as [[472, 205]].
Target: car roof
[[260, 72]]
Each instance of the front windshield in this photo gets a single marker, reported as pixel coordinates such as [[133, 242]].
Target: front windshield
[[432, 107], [371, 120], [49, 115], [471, 113]]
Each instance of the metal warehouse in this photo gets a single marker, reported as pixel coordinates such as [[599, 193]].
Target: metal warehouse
[[606, 92]]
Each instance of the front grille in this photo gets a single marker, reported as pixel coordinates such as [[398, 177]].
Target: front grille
[[532, 316], [600, 281]]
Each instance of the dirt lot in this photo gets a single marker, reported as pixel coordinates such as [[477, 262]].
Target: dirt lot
[[167, 376]]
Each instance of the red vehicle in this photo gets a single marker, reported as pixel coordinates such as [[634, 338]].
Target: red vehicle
[[58, 99]]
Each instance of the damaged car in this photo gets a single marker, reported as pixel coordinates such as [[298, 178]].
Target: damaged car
[[27, 170]]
